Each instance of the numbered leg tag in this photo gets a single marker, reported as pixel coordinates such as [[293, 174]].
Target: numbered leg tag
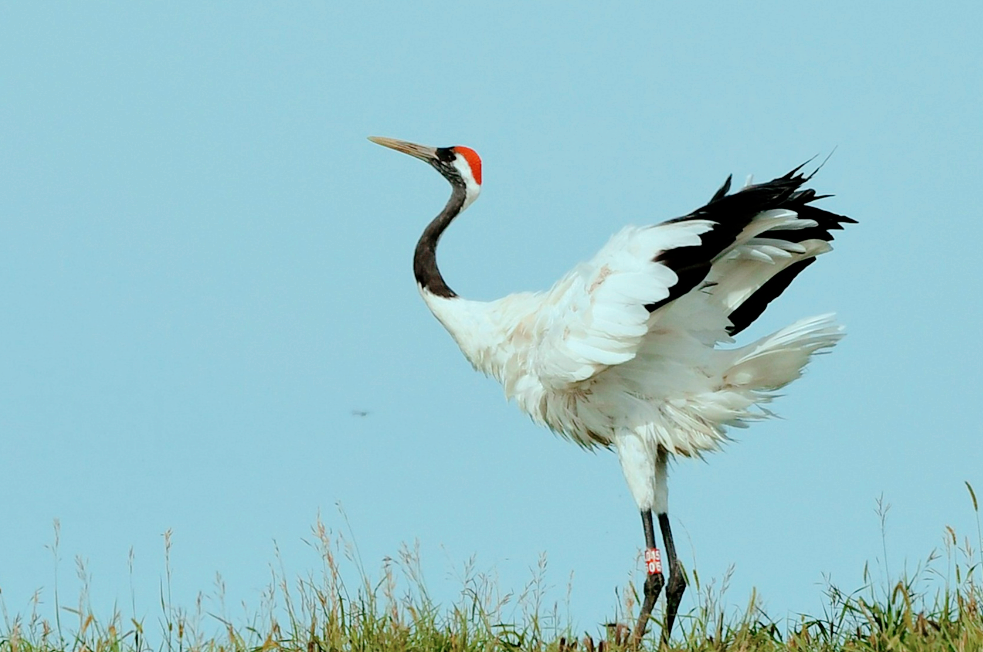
[[653, 562]]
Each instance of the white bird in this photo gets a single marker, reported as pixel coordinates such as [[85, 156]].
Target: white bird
[[623, 351]]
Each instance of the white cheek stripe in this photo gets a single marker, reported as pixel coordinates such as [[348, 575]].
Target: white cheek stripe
[[472, 187]]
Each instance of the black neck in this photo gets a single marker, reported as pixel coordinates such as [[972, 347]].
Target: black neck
[[425, 258]]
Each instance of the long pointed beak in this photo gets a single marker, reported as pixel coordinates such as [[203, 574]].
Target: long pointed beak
[[417, 151]]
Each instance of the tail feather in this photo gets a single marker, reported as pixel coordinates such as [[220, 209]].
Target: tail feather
[[776, 360]]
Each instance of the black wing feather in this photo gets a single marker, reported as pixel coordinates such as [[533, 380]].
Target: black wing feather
[[745, 314], [730, 213]]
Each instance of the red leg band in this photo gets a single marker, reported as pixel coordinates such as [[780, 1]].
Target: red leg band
[[653, 562]]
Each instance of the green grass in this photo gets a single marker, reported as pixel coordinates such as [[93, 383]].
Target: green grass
[[938, 606]]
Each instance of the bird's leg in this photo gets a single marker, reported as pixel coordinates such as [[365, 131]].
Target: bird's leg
[[653, 579], [677, 581]]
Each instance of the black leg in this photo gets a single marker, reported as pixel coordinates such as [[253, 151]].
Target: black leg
[[653, 581], [677, 582]]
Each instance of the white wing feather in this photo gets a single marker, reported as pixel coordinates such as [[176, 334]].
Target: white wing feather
[[595, 316]]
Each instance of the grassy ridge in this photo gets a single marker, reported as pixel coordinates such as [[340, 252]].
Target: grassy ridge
[[937, 607]]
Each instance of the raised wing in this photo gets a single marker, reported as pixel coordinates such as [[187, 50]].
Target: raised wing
[[743, 248]]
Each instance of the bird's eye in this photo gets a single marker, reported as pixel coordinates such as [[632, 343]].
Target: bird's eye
[[445, 154]]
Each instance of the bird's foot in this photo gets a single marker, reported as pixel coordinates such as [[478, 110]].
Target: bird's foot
[[674, 593], [617, 637], [653, 587]]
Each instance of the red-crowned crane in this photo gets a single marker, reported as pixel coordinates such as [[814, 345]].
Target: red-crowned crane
[[622, 352]]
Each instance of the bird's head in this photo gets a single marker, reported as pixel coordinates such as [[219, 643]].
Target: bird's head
[[460, 165]]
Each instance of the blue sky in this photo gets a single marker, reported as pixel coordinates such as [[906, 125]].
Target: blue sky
[[205, 268]]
